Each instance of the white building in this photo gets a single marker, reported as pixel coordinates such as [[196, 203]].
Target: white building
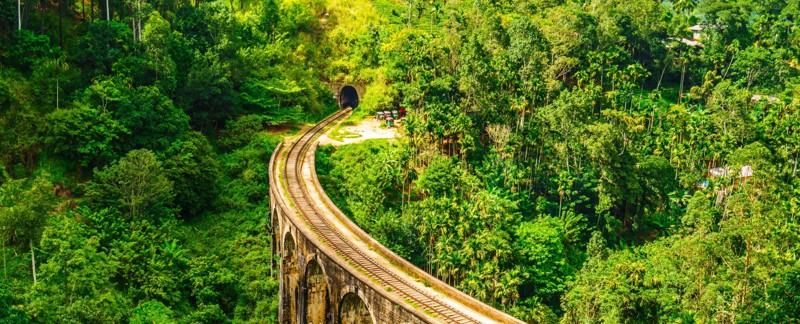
[[696, 32]]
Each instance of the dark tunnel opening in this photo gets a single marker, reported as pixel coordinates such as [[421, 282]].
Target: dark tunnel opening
[[348, 97]]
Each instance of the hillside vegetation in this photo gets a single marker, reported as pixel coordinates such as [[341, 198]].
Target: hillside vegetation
[[585, 161], [565, 160], [134, 171]]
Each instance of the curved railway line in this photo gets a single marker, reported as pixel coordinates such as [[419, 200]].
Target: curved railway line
[[330, 235]]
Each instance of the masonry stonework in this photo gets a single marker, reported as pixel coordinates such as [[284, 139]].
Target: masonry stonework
[[316, 289]]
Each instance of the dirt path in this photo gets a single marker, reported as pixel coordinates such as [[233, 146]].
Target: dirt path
[[369, 128]]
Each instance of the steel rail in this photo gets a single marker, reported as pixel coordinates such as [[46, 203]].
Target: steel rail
[[335, 239]]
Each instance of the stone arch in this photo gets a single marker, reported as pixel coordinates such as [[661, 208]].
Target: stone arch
[[290, 278], [274, 229], [348, 97], [289, 255], [353, 310], [316, 296]]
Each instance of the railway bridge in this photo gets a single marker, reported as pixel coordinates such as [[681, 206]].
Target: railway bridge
[[331, 271]]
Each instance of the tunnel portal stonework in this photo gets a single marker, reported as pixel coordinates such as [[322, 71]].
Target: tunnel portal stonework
[[338, 87]]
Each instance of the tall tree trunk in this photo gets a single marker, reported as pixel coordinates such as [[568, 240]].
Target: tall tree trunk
[[133, 23], [680, 93], [662, 76], [33, 261], [19, 22], [410, 5], [26, 13], [108, 11], [746, 270], [724, 76]]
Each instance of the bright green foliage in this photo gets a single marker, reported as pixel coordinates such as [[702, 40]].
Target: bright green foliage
[[364, 174], [364, 195], [136, 185], [76, 283], [25, 206], [541, 250], [27, 48], [193, 168], [256, 287], [240, 132], [156, 38], [21, 123], [719, 268], [86, 135], [150, 117], [207, 95], [271, 98], [105, 42], [578, 117], [123, 117], [439, 178], [783, 304], [555, 160], [699, 214], [153, 260], [248, 176], [10, 312], [211, 284], [152, 312]]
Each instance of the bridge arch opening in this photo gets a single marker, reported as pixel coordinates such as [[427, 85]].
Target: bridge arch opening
[[290, 278], [289, 256], [348, 97], [316, 287], [352, 310]]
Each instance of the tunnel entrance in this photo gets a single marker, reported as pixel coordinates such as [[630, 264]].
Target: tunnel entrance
[[353, 310], [348, 97]]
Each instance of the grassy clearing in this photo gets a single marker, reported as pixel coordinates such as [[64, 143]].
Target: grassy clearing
[[356, 117]]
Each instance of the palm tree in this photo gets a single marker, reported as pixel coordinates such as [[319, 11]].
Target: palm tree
[[436, 10], [683, 6], [507, 291], [58, 65]]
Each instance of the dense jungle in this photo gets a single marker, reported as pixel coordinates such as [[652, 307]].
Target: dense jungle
[[562, 160]]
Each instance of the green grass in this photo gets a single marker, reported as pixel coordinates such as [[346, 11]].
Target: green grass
[[341, 135], [355, 118], [293, 130]]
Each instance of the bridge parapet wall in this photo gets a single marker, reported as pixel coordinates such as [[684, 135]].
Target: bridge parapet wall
[[301, 300], [320, 285]]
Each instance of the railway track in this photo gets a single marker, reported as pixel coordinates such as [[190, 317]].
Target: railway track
[[334, 238]]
